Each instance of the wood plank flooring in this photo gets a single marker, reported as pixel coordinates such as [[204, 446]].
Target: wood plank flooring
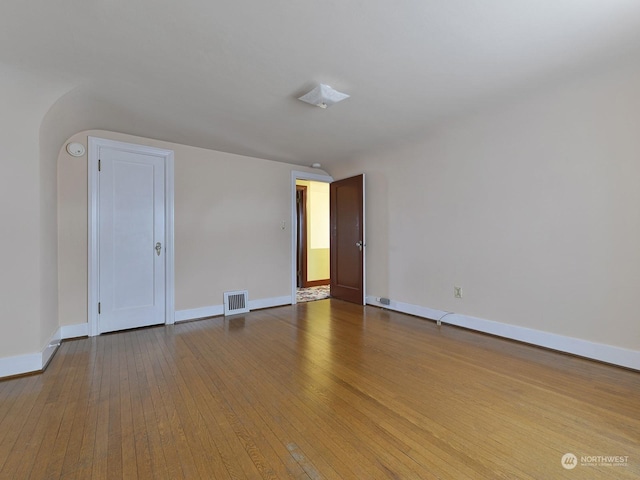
[[322, 390]]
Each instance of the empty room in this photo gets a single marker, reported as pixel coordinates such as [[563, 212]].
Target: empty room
[[459, 178]]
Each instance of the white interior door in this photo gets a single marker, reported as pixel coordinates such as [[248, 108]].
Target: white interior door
[[131, 239]]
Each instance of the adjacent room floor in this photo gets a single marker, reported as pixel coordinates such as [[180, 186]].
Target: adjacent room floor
[[311, 294]]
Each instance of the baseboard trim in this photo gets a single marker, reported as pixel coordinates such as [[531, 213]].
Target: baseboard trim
[[20, 364], [584, 348], [316, 283], [30, 362], [217, 310], [196, 313], [74, 331], [270, 302], [52, 347]]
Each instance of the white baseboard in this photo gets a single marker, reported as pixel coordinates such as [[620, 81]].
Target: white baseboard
[[20, 364], [217, 310], [50, 349], [269, 302], [30, 362], [597, 351], [74, 331], [202, 312]]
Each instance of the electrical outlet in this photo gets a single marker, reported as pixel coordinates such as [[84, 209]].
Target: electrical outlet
[[457, 292]]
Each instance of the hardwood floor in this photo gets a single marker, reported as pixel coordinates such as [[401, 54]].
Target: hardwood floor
[[323, 390]]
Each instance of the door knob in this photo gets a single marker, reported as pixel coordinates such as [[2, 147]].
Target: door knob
[[360, 244], [158, 248]]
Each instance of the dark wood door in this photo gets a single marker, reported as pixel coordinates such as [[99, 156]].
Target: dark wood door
[[347, 239], [301, 236]]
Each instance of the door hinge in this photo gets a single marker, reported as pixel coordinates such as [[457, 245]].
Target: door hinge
[[99, 165], [98, 308]]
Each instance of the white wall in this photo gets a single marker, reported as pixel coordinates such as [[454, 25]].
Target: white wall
[[532, 208], [28, 288], [229, 211]]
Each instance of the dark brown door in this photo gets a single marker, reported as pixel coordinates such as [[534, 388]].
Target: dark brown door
[[347, 239], [301, 236]]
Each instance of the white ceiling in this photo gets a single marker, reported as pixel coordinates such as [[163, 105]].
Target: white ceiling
[[225, 74]]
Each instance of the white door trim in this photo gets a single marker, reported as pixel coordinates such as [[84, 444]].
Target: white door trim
[[297, 175], [94, 148], [364, 239]]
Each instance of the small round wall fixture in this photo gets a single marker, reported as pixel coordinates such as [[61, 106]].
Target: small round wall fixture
[[75, 149]]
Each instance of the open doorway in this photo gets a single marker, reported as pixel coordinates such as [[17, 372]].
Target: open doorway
[[312, 240], [346, 236]]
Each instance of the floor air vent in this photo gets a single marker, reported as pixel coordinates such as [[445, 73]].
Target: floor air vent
[[236, 302]]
